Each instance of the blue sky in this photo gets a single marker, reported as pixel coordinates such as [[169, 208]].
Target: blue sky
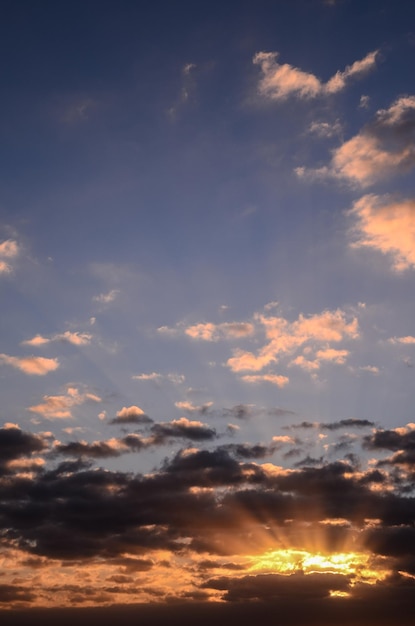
[[207, 240]]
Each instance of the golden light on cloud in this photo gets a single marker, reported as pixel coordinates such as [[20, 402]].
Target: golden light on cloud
[[358, 565]]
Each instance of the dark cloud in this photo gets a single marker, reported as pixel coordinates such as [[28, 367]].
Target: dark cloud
[[182, 429], [250, 451], [391, 440], [347, 423], [240, 412], [16, 444], [274, 586], [247, 411]]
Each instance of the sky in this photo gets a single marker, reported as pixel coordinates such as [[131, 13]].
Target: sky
[[207, 263]]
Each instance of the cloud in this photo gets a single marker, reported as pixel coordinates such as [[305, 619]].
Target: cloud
[[183, 428], [75, 338], [15, 444], [274, 379], [285, 338], [192, 408], [59, 407], [103, 449], [408, 340], [382, 149], [280, 81], [325, 129], [106, 298], [9, 249], [131, 415], [157, 377], [386, 225], [226, 330], [32, 365]]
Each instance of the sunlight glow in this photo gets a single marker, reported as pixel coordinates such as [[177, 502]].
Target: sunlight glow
[[358, 565]]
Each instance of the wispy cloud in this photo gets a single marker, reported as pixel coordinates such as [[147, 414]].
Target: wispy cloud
[[107, 297], [274, 379], [280, 81]]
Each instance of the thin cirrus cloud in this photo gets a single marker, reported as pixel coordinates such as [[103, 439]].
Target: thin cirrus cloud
[[280, 81], [60, 407], [382, 149], [75, 338], [386, 225], [31, 365]]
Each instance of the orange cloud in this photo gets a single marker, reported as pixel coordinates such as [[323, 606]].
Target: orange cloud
[[75, 338], [380, 150], [32, 365], [388, 226], [279, 81], [9, 249], [275, 379], [59, 407]]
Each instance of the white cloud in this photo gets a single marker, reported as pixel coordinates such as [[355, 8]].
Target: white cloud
[[279, 81], [364, 102], [106, 298], [388, 226], [325, 129], [32, 365]]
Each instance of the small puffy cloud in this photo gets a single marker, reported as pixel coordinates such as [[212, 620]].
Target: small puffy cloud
[[386, 225], [9, 249], [364, 102], [59, 407], [131, 415], [280, 81], [31, 365], [286, 337], [74, 338], [106, 298], [382, 149]]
